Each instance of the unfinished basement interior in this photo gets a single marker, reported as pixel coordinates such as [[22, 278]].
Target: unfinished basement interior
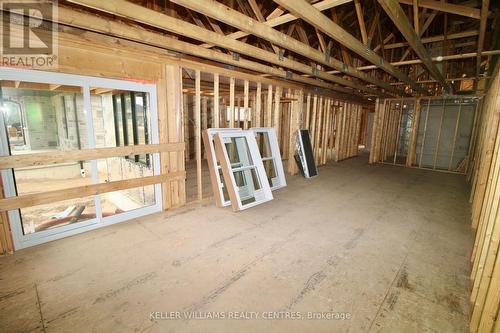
[[250, 166]]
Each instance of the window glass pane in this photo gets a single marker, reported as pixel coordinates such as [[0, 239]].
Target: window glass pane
[[125, 121], [238, 152], [264, 145], [119, 168], [45, 118], [270, 170], [121, 118], [247, 183], [53, 215]]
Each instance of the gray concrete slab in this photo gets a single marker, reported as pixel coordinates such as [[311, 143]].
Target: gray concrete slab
[[387, 245]]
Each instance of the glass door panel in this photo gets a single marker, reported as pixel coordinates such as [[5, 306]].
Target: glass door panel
[[123, 118], [45, 118]]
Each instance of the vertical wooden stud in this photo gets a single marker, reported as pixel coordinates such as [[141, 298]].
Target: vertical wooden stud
[[216, 116], [231, 102]]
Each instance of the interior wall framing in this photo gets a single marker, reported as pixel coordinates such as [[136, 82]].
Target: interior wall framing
[[485, 195], [430, 133]]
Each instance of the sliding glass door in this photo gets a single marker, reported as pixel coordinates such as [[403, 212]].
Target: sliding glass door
[[45, 112]]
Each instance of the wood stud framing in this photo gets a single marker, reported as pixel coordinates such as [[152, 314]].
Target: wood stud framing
[[336, 122], [485, 259], [388, 126]]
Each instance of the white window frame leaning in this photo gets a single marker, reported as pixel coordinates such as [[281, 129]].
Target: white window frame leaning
[[262, 195], [208, 138], [279, 181]]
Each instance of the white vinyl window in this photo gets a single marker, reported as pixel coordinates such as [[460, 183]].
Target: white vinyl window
[[242, 168], [267, 142], [221, 195]]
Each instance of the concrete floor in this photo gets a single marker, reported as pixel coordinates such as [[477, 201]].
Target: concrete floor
[[388, 246]]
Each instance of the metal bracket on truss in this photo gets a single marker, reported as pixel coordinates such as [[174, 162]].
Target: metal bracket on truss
[[327, 55], [236, 56], [314, 70], [281, 55], [227, 66], [344, 67], [175, 54], [289, 75]]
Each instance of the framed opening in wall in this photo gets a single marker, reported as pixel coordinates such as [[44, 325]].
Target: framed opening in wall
[[48, 113]]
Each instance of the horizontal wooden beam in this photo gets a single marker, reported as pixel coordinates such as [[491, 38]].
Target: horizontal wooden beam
[[435, 59], [66, 156], [285, 18], [159, 20], [236, 19], [434, 39], [35, 199], [314, 17], [446, 7]]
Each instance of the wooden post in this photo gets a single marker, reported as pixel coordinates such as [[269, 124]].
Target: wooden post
[[317, 133], [425, 132], [358, 130], [231, 102], [197, 135], [185, 113], [295, 117], [169, 88], [326, 129], [269, 110], [216, 119], [277, 108], [373, 143], [258, 105], [455, 136], [204, 113], [412, 146], [436, 151], [308, 110], [398, 131], [237, 113], [245, 104], [312, 121]]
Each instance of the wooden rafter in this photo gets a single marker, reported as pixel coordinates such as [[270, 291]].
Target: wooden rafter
[[424, 28], [346, 56], [416, 22], [435, 59], [361, 21], [434, 39], [320, 21], [278, 17], [258, 14], [397, 15], [232, 17], [165, 22], [446, 7], [373, 26]]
